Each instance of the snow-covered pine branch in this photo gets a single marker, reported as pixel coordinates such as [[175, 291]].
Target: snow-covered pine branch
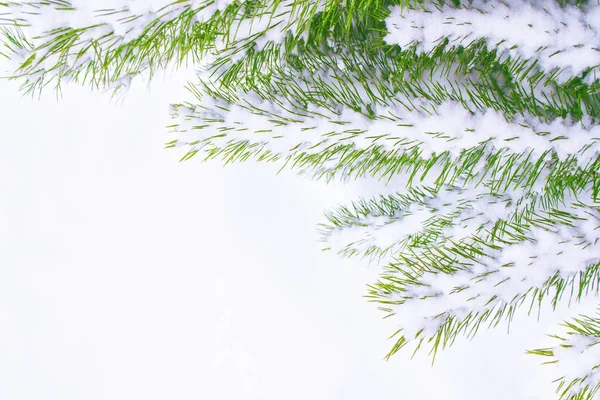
[[484, 264], [442, 145], [558, 37], [576, 358], [363, 74], [460, 257], [108, 44]]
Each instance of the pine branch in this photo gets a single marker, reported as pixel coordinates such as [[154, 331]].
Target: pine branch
[[122, 44], [486, 150], [470, 260], [577, 359], [484, 265], [363, 73], [557, 37]]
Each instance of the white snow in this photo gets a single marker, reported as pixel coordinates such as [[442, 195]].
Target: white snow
[[559, 38]]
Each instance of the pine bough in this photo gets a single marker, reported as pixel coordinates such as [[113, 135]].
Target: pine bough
[[482, 116]]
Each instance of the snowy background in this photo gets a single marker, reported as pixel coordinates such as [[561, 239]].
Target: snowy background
[[127, 275]]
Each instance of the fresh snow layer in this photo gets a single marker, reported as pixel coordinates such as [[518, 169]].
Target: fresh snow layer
[[559, 37]]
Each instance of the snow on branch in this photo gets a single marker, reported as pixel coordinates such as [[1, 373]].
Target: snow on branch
[[559, 37], [434, 146], [576, 358], [109, 42], [439, 290], [446, 128]]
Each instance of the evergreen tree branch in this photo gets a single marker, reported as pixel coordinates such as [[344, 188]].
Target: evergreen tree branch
[[576, 356]]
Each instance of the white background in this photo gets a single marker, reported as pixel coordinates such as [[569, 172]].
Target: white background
[[125, 274]]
